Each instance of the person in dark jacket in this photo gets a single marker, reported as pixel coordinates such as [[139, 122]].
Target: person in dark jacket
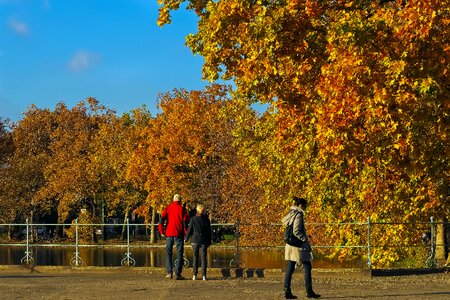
[[199, 231], [175, 218]]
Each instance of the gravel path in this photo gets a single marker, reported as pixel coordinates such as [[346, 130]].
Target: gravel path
[[17, 282]]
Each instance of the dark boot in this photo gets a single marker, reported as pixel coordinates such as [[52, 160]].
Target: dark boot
[[311, 294], [288, 294]]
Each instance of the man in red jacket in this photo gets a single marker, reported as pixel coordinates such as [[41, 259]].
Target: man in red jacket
[[176, 218]]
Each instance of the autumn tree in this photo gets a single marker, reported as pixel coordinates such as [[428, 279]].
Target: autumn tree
[[54, 163], [5, 143], [23, 173], [359, 95], [177, 146], [189, 149], [71, 177], [111, 150], [32, 140], [6, 152], [243, 187]]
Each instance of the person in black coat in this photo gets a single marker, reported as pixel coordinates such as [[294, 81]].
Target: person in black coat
[[199, 231]]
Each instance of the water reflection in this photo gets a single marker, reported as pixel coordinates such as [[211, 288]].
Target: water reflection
[[154, 257]]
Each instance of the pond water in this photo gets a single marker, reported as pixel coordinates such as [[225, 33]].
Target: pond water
[[155, 257]]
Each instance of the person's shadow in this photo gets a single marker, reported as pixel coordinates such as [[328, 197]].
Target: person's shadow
[[389, 296]]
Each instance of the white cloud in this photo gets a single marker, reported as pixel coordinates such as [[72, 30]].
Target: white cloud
[[19, 27], [83, 60]]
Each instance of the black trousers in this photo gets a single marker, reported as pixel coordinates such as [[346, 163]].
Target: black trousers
[[204, 251], [307, 267]]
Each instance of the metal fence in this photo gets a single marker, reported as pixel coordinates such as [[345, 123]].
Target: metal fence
[[33, 235]]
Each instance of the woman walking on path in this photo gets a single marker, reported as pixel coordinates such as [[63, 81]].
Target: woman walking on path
[[294, 254], [200, 231]]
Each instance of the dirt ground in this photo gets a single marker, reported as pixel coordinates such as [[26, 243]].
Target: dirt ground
[[17, 282]]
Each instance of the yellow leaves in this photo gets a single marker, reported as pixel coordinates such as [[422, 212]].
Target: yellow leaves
[[305, 44], [187, 142], [427, 84], [164, 10], [348, 3], [163, 18]]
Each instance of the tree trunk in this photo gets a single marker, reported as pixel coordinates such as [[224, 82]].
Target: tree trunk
[[447, 240], [10, 232], [30, 227], [440, 241], [104, 234], [152, 227], [94, 219], [124, 226], [60, 229]]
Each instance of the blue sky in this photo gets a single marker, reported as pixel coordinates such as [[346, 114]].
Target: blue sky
[[67, 50]]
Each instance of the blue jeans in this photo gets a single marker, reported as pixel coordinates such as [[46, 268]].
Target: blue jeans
[[290, 270], [170, 240]]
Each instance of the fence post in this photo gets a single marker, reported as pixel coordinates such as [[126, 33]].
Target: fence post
[[237, 262], [76, 243], [128, 241], [27, 259], [28, 237], [369, 262], [431, 229], [76, 261], [128, 261]]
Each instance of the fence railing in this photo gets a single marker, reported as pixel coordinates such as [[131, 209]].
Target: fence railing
[[129, 230]]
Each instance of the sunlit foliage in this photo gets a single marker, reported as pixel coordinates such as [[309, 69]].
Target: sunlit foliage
[[359, 95], [184, 149]]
